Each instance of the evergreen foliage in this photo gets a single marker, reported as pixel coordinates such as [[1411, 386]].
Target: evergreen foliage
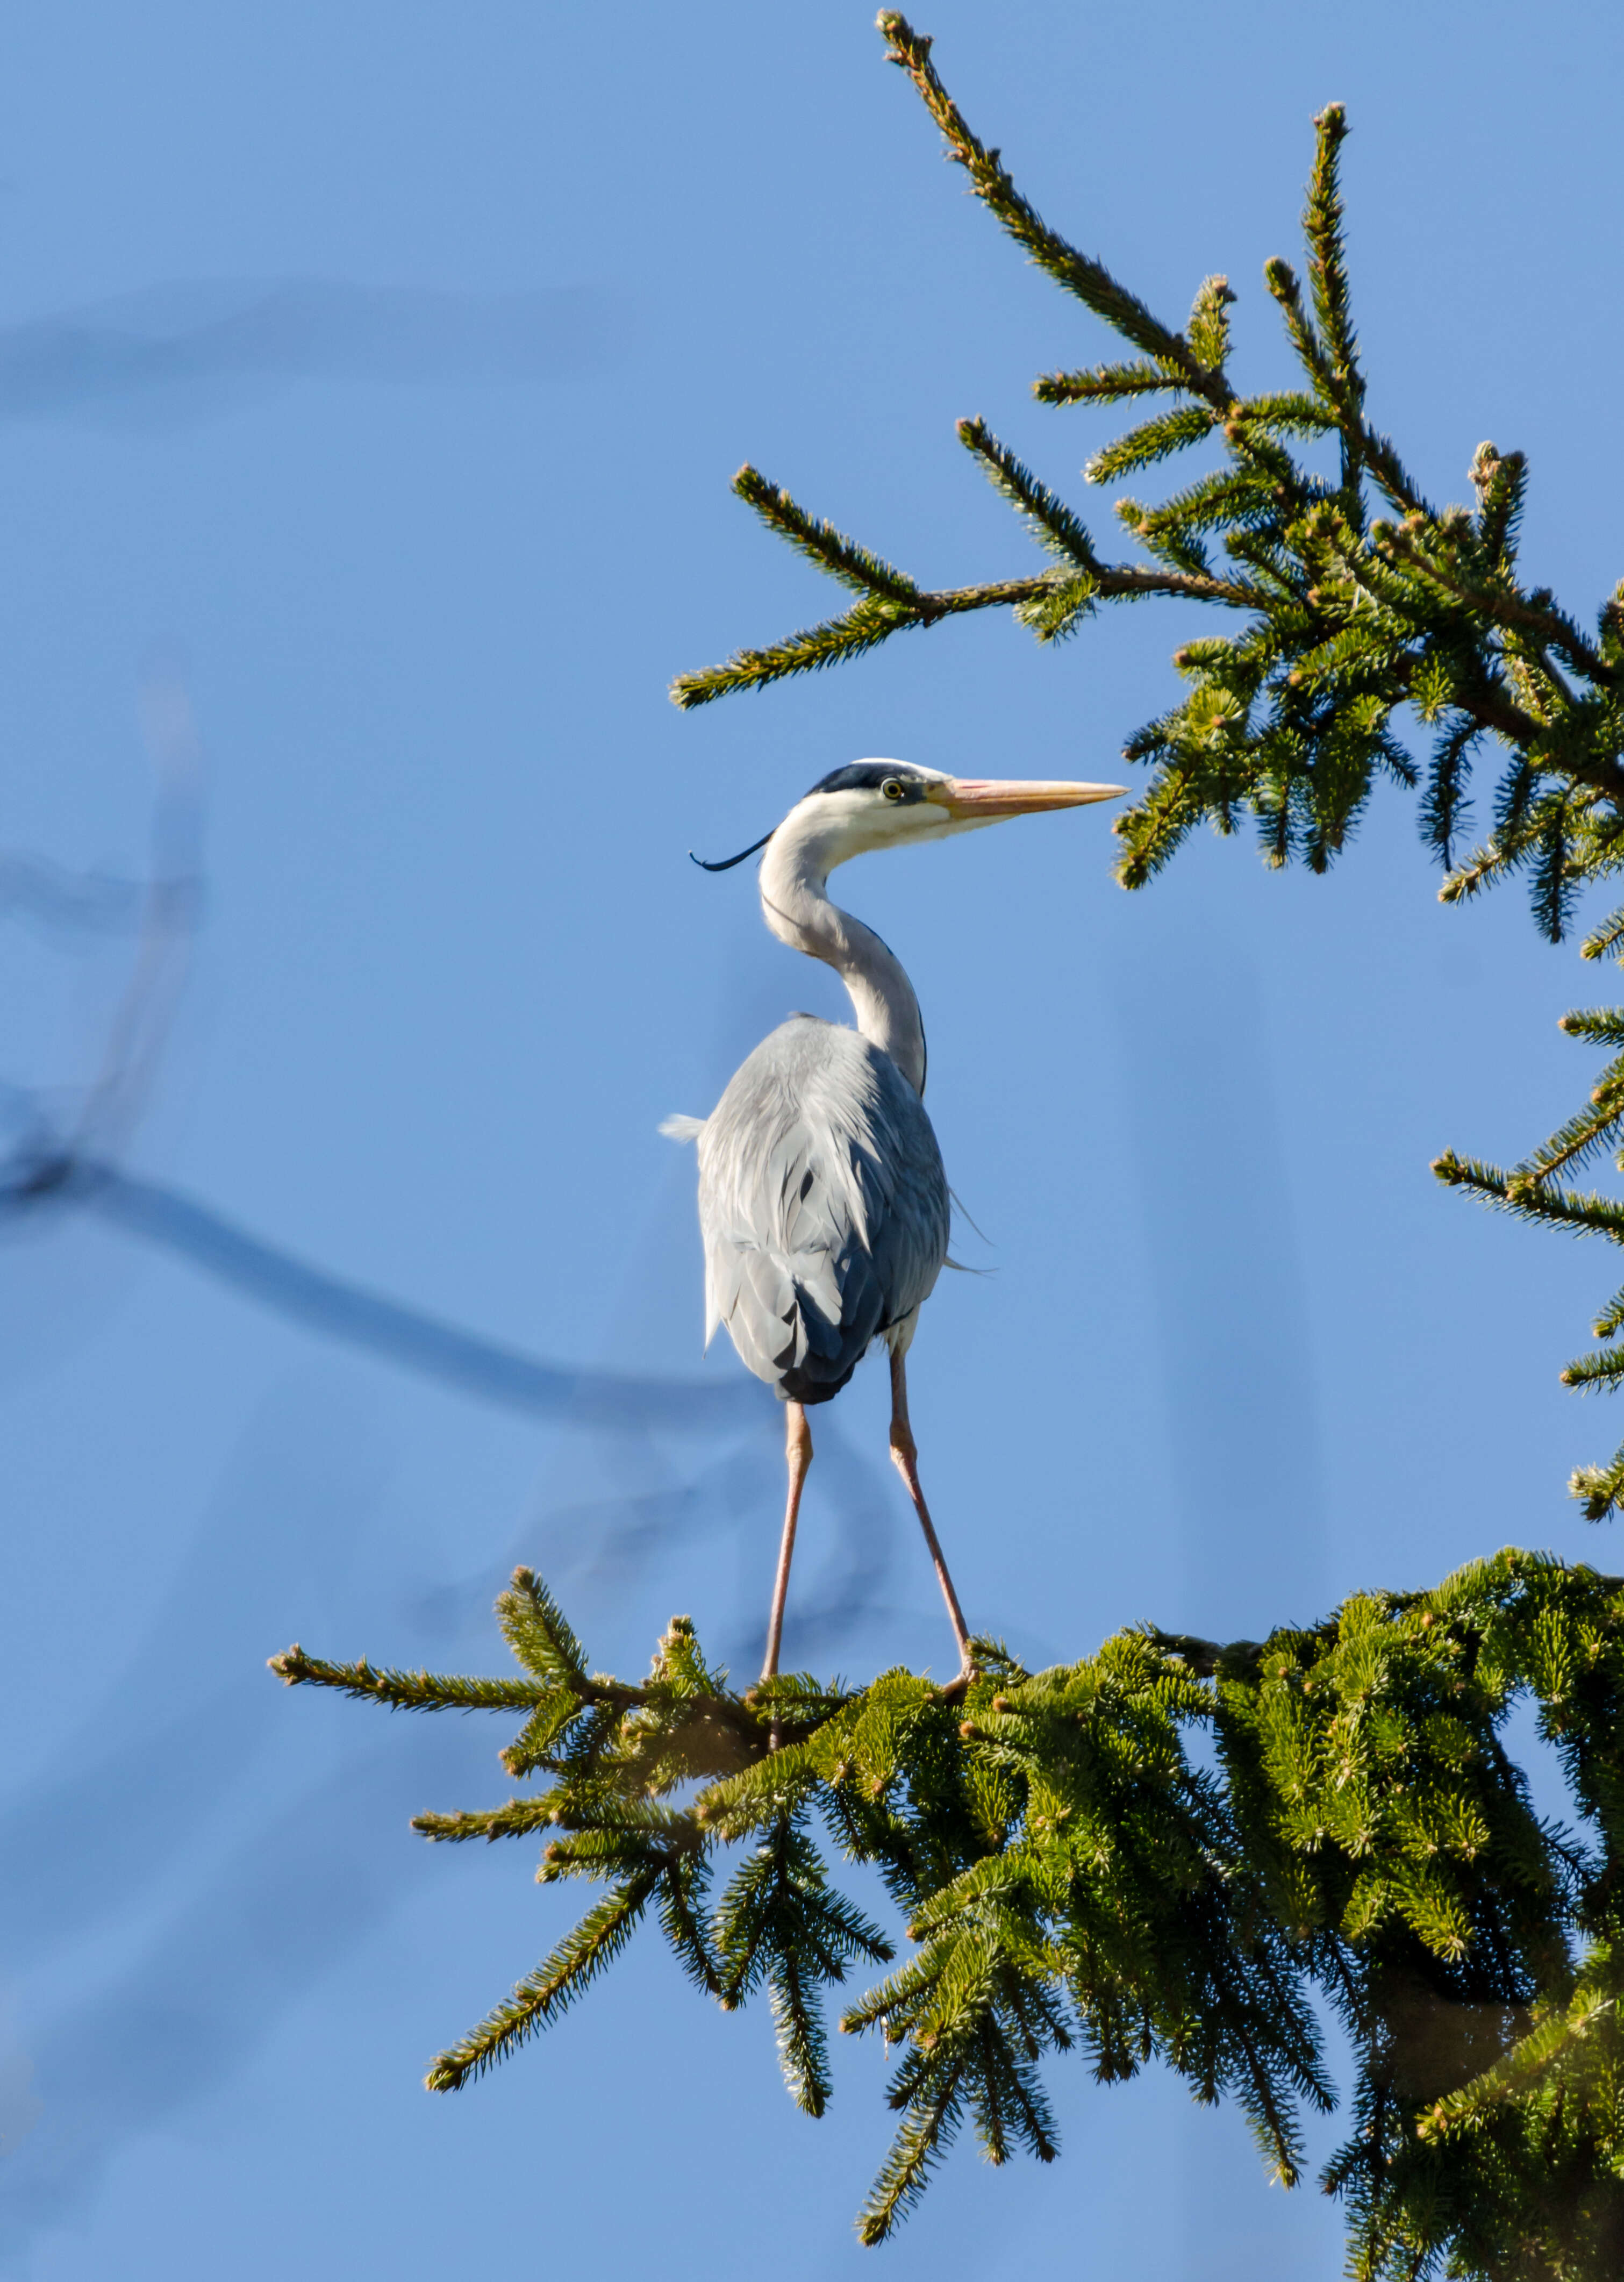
[[1077, 1868], [1533, 1192], [1177, 1850], [1357, 599]]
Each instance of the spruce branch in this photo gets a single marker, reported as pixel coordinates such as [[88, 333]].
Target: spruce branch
[[1064, 1861], [405, 1691], [873, 621], [534, 1627], [1092, 282], [1532, 1193], [919, 2147], [1579, 1138], [1328, 269], [1501, 483], [1599, 1490], [830, 549], [516, 1820], [1290, 411], [1105, 384], [532, 1748], [1443, 808], [1152, 440], [1049, 519], [1549, 626], [551, 1989], [1603, 1369], [1598, 1026], [1351, 619], [1208, 327], [1284, 284], [1605, 941], [830, 642]]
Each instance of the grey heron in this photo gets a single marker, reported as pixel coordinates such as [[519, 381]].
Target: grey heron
[[823, 1200]]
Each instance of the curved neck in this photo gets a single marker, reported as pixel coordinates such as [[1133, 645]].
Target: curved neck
[[795, 904]]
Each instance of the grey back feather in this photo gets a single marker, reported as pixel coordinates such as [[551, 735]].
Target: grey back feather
[[823, 1204]]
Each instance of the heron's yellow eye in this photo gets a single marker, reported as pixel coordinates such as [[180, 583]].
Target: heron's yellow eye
[[891, 789]]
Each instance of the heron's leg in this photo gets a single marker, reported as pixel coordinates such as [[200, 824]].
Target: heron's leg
[[907, 1456], [798, 1450]]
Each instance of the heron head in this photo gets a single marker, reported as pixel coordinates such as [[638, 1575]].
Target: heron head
[[874, 805], [881, 803]]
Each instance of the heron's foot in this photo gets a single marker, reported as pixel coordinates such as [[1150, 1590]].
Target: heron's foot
[[957, 1689]]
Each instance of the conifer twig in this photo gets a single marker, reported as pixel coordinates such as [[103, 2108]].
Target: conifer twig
[[1092, 282], [405, 1691], [551, 1989]]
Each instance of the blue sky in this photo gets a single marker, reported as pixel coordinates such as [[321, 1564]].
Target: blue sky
[[374, 376]]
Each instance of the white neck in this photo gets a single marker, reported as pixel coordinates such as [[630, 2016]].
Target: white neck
[[795, 904]]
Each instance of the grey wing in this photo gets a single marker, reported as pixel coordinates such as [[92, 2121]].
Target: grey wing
[[823, 1203]]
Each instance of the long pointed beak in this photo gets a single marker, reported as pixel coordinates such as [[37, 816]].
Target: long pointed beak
[[977, 800]]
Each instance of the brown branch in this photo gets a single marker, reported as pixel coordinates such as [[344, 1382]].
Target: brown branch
[[1111, 580], [1490, 712]]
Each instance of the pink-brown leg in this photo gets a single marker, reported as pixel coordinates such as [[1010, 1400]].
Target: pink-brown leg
[[906, 1456], [798, 1450]]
